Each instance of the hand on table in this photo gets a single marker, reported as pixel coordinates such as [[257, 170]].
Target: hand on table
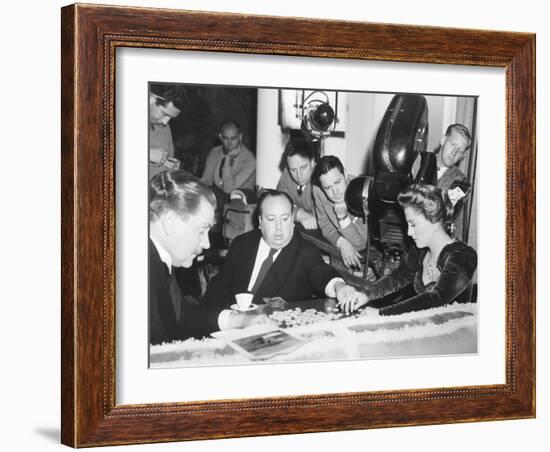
[[246, 319], [352, 301], [368, 311], [258, 319]]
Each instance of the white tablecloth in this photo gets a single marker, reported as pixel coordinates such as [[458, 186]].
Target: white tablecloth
[[447, 330]]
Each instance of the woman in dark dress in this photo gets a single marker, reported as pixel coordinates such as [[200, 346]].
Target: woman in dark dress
[[439, 267]]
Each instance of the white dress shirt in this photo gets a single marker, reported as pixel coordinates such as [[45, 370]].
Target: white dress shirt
[[441, 170], [261, 255]]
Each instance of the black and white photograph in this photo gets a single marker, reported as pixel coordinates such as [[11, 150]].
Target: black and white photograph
[[127, 321], [297, 224]]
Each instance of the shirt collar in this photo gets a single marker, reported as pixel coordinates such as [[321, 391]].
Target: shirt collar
[[264, 248], [441, 170], [163, 254]]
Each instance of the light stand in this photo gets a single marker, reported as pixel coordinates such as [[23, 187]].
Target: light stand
[[357, 201]]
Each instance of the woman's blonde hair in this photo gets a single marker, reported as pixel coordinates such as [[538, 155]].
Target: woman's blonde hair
[[432, 202]]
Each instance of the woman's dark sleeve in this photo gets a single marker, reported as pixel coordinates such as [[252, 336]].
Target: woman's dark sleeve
[[401, 277], [458, 269]]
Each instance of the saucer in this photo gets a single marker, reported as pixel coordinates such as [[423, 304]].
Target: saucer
[[250, 308]]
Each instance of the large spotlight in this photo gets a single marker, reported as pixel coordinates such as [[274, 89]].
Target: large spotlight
[[318, 117], [321, 117]]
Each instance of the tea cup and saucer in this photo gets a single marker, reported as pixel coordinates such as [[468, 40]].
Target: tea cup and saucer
[[244, 302]]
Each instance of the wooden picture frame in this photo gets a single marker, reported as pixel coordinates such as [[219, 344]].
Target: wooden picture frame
[[90, 36]]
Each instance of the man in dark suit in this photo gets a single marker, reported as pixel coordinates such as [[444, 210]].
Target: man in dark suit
[[455, 143], [181, 213], [172, 316], [275, 261], [450, 178], [446, 159], [298, 164]]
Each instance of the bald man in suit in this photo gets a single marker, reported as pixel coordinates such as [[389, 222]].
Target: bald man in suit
[[275, 261]]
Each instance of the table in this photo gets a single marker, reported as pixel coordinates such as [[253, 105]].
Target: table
[[446, 330]]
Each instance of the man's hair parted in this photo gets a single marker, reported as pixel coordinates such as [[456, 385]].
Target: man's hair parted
[[462, 130], [178, 191]]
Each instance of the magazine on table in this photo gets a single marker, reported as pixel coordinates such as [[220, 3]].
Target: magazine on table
[[260, 342]]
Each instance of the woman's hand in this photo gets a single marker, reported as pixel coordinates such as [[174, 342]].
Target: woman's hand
[[344, 293], [351, 303], [361, 300], [370, 312], [350, 255]]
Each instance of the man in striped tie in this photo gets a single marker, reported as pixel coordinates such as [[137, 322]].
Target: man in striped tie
[[299, 162], [274, 261], [231, 165]]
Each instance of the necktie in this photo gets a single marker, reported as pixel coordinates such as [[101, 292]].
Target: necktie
[[221, 168], [266, 265], [175, 295], [300, 189]]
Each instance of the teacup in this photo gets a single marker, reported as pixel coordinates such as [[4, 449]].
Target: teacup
[[244, 300]]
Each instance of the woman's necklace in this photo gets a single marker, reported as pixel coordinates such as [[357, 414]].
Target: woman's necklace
[[431, 269]]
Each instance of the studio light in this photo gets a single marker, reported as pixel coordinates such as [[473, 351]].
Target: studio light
[[318, 117]]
